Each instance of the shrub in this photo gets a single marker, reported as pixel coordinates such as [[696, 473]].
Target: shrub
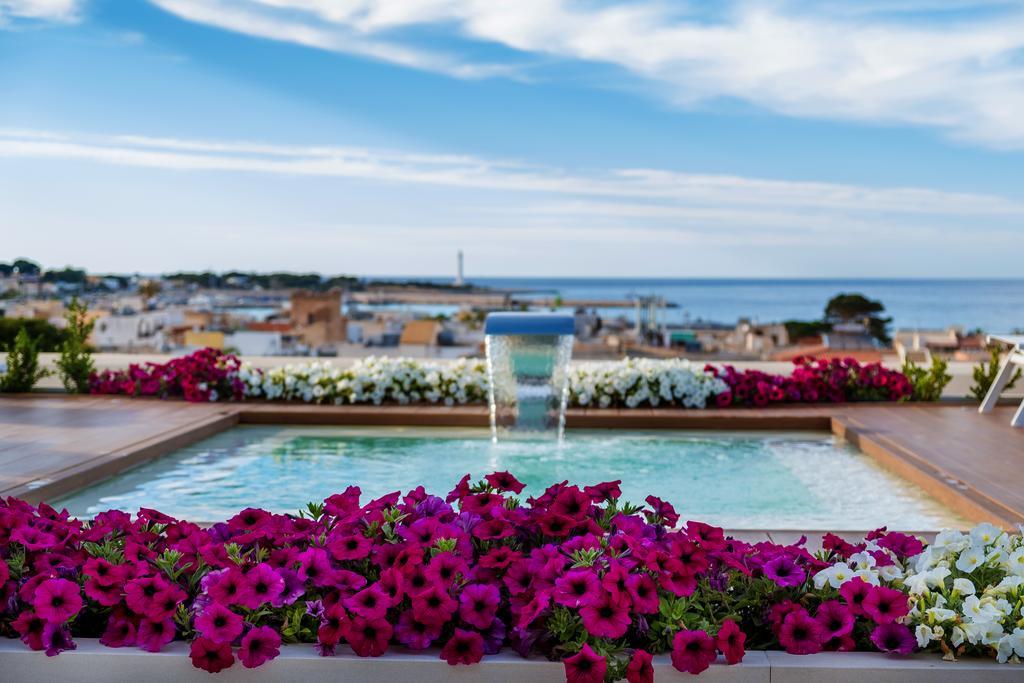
[[75, 363], [47, 336], [23, 369], [985, 373], [927, 383], [206, 375]]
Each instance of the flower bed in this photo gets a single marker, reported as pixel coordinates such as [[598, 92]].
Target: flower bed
[[209, 375], [574, 575]]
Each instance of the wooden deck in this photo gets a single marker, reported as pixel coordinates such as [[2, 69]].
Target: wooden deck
[[51, 445]]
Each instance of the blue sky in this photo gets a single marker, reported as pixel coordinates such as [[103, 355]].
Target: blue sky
[[543, 137]]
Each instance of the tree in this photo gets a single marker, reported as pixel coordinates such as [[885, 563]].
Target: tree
[[75, 362], [846, 308]]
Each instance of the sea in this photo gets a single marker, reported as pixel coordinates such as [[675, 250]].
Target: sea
[[992, 305]]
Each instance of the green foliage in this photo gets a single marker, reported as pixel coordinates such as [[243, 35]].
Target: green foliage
[[928, 383], [798, 329], [859, 308], [23, 369], [75, 362], [985, 373], [47, 336], [24, 267]]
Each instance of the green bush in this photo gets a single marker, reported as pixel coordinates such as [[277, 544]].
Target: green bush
[[47, 336], [927, 383], [23, 369], [75, 362], [985, 373]]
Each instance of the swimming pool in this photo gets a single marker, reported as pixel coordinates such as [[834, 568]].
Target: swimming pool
[[755, 480]]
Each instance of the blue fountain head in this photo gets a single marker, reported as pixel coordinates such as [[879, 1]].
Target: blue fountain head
[[511, 323], [528, 358]]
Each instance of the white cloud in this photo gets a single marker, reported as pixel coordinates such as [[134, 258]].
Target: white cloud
[[46, 10], [877, 62], [635, 191]]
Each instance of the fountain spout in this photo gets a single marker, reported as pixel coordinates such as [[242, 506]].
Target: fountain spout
[[528, 358]]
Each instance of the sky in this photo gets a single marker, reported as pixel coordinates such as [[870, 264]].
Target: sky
[[661, 138]]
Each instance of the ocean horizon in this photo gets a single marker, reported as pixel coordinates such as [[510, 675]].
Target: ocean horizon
[[991, 304]]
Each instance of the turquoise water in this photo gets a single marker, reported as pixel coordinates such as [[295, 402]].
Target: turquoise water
[[749, 480]]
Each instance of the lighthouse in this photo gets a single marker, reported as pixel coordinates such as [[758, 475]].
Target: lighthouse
[[459, 281]]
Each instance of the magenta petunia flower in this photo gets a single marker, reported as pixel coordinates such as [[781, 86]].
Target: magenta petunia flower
[[854, 592], [692, 651], [433, 605], [730, 641], [464, 647], [835, 618], [371, 602], [315, 566], [210, 656], [478, 603], [444, 568], [504, 481], [608, 490], [800, 634], [885, 605], [261, 585], [226, 588], [140, 593], [56, 639], [258, 646], [350, 547], [120, 632], [606, 617], [29, 627], [586, 666], [894, 638], [165, 602], [643, 592], [415, 635], [557, 526], [784, 571], [577, 587], [219, 624], [57, 600], [153, 635], [640, 668], [368, 637], [333, 624]]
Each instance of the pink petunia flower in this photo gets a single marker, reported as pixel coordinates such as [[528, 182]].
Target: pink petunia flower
[[478, 603], [464, 647], [258, 646], [730, 642], [606, 617], [800, 634], [640, 668], [586, 666], [57, 600], [692, 651], [368, 637], [885, 605], [219, 624], [153, 635], [210, 655]]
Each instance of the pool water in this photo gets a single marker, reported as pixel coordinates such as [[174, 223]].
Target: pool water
[[765, 480]]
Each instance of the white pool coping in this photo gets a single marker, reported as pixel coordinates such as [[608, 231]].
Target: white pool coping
[[94, 663]]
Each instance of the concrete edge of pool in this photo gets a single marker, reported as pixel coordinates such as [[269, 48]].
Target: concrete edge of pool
[[966, 461], [92, 662]]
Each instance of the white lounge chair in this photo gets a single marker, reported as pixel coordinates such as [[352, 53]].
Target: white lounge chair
[[1013, 360]]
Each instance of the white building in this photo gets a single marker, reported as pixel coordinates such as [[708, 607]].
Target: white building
[[146, 331], [254, 343]]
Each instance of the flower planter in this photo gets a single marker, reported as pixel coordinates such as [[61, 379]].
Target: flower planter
[[92, 662]]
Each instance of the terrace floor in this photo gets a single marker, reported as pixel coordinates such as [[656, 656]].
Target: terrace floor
[[54, 444]]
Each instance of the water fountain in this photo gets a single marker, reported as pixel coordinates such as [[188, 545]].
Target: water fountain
[[528, 358]]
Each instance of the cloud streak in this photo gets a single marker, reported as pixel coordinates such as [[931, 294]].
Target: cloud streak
[[885, 62], [632, 191]]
